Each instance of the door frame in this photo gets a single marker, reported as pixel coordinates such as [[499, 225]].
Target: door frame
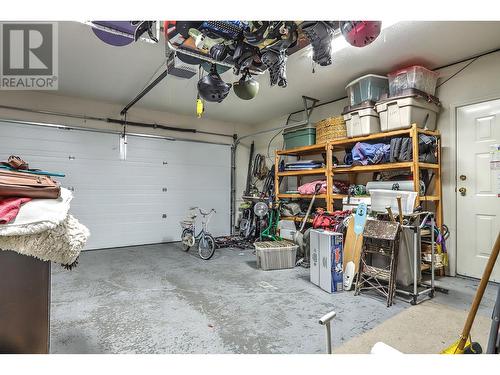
[[453, 166]]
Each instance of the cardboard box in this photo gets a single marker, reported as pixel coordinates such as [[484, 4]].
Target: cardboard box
[[326, 260], [314, 236]]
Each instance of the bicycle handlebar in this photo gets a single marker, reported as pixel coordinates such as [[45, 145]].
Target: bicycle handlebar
[[206, 213]]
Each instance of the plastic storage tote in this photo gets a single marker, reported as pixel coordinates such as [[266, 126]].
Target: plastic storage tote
[[413, 77], [369, 87], [403, 111], [275, 255], [363, 120], [300, 137], [383, 198]]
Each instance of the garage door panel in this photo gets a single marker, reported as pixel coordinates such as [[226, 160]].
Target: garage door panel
[[175, 151], [62, 143], [124, 173], [117, 237], [122, 202], [121, 211]]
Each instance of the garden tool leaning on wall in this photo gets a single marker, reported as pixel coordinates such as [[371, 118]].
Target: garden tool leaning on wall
[[464, 343]]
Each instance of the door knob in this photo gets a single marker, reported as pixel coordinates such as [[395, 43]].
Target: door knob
[[463, 177], [462, 191]]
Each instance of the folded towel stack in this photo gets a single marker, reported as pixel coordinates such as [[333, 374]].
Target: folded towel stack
[[43, 228]]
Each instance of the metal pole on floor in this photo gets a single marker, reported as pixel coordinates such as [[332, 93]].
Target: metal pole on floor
[[325, 321]]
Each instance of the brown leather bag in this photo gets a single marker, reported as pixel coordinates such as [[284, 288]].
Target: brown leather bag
[[16, 162], [19, 184]]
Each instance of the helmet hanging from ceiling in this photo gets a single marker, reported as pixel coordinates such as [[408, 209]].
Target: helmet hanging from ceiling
[[360, 33], [212, 88], [246, 88]]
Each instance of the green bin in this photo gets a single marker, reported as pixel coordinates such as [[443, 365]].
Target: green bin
[[300, 137]]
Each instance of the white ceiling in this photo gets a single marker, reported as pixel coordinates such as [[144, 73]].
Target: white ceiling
[[89, 68]]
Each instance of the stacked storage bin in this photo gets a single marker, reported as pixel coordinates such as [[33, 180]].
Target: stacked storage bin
[[360, 115], [410, 100], [299, 136]]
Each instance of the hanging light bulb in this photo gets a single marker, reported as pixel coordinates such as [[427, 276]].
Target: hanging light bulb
[[123, 141], [123, 146]]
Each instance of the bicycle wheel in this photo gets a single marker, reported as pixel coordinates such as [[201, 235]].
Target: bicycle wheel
[[206, 247], [187, 239]]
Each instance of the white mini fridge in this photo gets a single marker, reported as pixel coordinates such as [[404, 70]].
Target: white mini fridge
[[326, 260]]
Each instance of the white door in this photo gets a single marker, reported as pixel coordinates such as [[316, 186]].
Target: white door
[[478, 207], [135, 201]]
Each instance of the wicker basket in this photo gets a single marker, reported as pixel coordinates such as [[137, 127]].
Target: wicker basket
[[330, 129]]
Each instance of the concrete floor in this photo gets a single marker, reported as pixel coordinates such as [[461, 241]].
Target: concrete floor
[[158, 299]]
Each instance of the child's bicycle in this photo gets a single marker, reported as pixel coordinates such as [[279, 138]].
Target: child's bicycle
[[206, 243]]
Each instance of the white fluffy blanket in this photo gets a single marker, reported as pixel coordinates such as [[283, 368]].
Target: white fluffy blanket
[[39, 215], [61, 244]]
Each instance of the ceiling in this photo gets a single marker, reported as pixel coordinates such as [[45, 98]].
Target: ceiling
[[91, 69]]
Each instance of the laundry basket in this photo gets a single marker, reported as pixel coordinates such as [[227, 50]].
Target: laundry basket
[[330, 128]]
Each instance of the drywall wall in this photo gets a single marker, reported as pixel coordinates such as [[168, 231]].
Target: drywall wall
[[319, 113], [478, 82], [79, 106], [267, 143]]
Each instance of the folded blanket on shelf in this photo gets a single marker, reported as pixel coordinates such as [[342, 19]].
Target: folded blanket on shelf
[[367, 153], [61, 244], [9, 208], [303, 165], [310, 187], [39, 215]]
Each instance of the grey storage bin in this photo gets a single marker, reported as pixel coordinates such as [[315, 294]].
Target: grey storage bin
[[275, 255], [360, 122], [369, 87], [402, 111]]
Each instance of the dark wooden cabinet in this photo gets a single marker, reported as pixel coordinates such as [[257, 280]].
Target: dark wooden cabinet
[[24, 304]]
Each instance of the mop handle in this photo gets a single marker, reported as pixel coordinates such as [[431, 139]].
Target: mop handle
[[317, 188], [400, 209], [479, 294], [391, 216]]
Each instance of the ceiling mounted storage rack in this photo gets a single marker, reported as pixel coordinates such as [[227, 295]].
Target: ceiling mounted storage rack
[[202, 56]]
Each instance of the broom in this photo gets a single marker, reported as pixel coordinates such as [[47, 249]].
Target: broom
[[464, 342]]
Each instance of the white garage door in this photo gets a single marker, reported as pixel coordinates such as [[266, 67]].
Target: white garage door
[[135, 201]]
